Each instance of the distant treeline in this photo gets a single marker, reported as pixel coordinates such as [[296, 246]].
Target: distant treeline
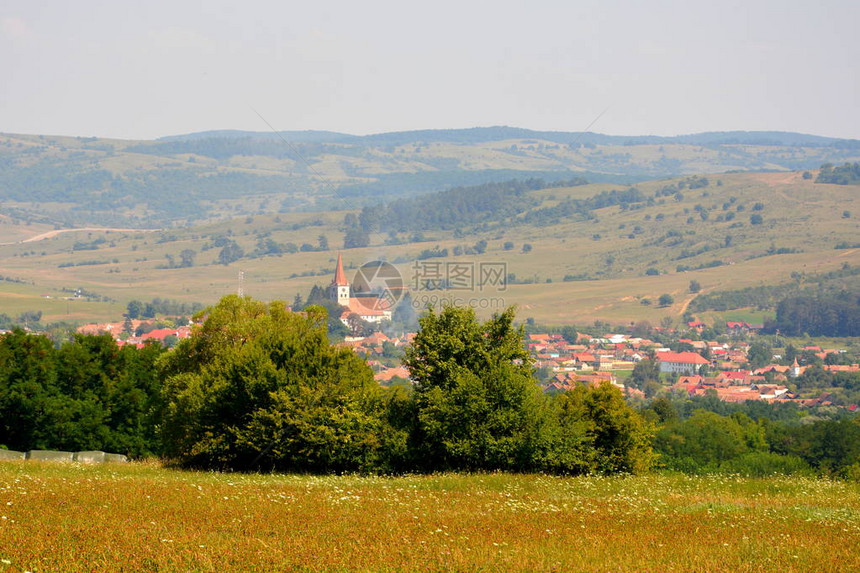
[[754, 438], [583, 208], [506, 202], [500, 133], [168, 193], [818, 316], [260, 387], [460, 206], [769, 297], [163, 306], [846, 174]]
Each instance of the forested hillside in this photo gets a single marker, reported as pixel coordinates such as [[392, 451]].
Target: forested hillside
[[67, 181]]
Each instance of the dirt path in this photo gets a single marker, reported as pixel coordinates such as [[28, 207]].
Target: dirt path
[[56, 232]]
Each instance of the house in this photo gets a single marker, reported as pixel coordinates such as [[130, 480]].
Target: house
[[680, 362], [737, 328]]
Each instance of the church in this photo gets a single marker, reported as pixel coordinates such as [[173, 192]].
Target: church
[[369, 306]]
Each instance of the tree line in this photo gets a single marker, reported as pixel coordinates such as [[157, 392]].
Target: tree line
[[258, 387], [846, 174]]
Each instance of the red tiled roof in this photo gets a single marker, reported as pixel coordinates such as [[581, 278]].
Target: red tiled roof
[[681, 358]]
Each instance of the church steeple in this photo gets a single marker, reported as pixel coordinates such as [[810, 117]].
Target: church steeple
[[340, 286]]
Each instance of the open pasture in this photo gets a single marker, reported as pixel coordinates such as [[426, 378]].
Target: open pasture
[[142, 516]]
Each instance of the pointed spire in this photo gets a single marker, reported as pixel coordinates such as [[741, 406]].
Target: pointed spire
[[339, 275]]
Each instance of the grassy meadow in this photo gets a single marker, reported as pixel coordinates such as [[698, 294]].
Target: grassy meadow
[[141, 516]]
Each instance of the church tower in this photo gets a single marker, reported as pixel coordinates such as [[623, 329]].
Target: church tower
[[340, 286]]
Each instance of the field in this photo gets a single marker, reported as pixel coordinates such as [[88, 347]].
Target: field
[[141, 516], [612, 267]]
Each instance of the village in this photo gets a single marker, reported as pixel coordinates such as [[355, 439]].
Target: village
[[592, 361], [561, 364], [701, 368]]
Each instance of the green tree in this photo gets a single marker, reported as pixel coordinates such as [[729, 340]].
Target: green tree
[[355, 237], [257, 386], [476, 403], [666, 300], [230, 252], [186, 258], [644, 371], [759, 354], [707, 440], [616, 438], [27, 387], [133, 309]]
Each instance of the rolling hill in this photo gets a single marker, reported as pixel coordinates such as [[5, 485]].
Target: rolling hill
[[571, 254], [192, 179]]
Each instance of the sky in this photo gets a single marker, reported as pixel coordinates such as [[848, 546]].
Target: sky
[[142, 70]]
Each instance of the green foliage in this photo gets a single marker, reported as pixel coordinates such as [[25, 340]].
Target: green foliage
[[87, 395], [460, 206], [477, 406], [759, 354], [260, 387], [823, 315], [616, 439], [355, 238], [645, 371], [846, 174], [230, 252], [706, 440]]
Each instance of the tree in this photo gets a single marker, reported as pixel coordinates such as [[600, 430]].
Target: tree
[[666, 300], [87, 395], [259, 386], [133, 309], [646, 370], [707, 440], [695, 286], [615, 439], [230, 252], [186, 258], [756, 219], [368, 219], [322, 240], [355, 237], [759, 354], [27, 386], [527, 247], [476, 403]]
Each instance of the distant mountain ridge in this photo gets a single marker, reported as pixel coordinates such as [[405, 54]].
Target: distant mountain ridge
[[477, 135], [86, 181]]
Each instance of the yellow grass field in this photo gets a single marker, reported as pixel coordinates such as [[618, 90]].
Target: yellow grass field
[[142, 517]]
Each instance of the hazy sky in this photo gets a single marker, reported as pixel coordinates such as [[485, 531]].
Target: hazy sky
[[159, 67]]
